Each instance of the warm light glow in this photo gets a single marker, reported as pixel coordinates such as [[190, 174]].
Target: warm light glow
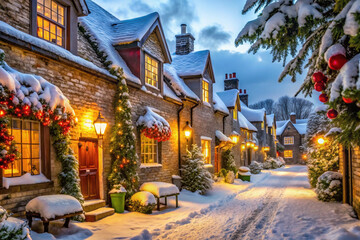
[[187, 133], [248, 144], [304, 156], [252, 145], [242, 146], [256, 148], [266, 149], [100, 125], [234, 139], [321, 140]]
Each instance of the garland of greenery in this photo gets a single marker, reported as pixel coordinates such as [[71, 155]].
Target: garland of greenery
[[60, 124]]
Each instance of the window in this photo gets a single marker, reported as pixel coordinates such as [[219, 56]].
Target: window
[[288, 140], [51, 21], [205, 91], [262, 125], [151, 71], [206, 150], [27, 138], [288, 154], [149, 150], [235, 113], [271, 131]]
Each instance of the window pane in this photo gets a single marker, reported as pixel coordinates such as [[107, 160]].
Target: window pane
[[40, 9], [48, 3], [26, 166], [35, 151], [16, 168], [52, 28], [47, 12], [61, 11], [35, 169], [61, 20], [46, 25], [25, 151], [54, 16], [35, 137]]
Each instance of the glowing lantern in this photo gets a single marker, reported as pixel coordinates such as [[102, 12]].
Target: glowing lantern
[[100, 125], [187, 131]]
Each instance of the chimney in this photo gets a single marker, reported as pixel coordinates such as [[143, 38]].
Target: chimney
[[293, 117], [244, 97], [240, 91], [244, 91], [231, 83], [226, 76], [184, 42]]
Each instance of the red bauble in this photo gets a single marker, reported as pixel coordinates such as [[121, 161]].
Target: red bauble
[[347, 100], [332, 113], [319, 86], [337, 61], [323, 98], [318, 77]]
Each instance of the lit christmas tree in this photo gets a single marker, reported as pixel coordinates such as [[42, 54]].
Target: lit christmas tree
[[328, 33]]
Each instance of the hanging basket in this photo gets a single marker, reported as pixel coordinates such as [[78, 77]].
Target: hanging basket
[[153, 126]]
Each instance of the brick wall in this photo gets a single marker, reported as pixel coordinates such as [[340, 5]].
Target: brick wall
[[152, 46]]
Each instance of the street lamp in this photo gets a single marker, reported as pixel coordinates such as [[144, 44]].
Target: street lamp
[[321, 140], [187, 131], [100, 125]]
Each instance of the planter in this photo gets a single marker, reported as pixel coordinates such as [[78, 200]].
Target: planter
[[244, 178], [118, 201]]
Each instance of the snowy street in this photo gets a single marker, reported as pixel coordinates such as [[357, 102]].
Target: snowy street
[[278, 204]]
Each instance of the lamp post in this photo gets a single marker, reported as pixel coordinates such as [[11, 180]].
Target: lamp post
[[100, 125], [188, 132]]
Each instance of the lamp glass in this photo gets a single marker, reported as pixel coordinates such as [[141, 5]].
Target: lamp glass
[[187, 133], [321, 140], [100, 125]]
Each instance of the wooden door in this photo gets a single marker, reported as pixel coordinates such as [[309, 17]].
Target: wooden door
[[88, 167]]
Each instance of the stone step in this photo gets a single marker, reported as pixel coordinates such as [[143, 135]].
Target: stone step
[[91, 205], [98, 214]]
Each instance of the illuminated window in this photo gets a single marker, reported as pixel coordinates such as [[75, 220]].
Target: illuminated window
[[149, 150], [288, 154], [262, 125], [151, 71], [205, 91], [206, 150], [27, 138], [271, 131], [235, 113], [51, 21], [288, 140]]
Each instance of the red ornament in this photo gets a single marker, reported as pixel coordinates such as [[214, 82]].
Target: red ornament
[[332, 113], [319, 86], [319, 77], [347, 100], [323, 98], [337, 61]]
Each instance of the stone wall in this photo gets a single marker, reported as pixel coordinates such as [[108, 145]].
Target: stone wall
[[291, 131], [184, 43], [152, 46], [16, 13]]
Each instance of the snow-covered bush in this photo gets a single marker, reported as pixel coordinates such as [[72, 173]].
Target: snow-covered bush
[[255, 167], [12, 228], [273, 163], [142, 202], [228, 161], [329, 187], [230, 177], [195, 177]]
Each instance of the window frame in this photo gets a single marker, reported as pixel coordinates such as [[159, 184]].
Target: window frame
[[158, 74], [289, 140], [288, 156], [205, 91], [207, 160], [65, 27], [157, 148]]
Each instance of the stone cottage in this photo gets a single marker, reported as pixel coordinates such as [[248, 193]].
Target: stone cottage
[[291, 134]]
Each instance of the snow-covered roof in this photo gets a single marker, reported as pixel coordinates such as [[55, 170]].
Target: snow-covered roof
[[219, 105], [299, 126], [29, 89], [169, 93], [99, 23], [298, 121], [253, 115], [191, 64], [178, 84], [222, 137], [229, 97], [49, 47], [270, 119], [244, 123]]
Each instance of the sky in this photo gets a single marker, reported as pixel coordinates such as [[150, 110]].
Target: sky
[[215, 25]]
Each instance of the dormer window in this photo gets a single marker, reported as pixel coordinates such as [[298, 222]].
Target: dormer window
[[151, 71], [205, 91], [51, 21], [235, 113]]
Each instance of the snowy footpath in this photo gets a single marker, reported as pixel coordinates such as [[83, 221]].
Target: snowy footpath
[[277, 204]]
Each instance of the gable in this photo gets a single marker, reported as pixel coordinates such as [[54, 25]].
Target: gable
[[209, 72], [153, 47], [290, 130]]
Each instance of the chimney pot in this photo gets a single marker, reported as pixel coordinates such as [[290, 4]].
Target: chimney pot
[[230, 76], [240, 91], [234, 75], [293, 118], [226, 76], [183, 28], [244, 91]]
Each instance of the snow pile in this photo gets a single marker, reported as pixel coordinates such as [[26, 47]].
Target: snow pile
[[12, 228], [230, 177], [177, 83], [244, 171], [191, 64], [343, 234], [50, 47], [219, 105], [31, 89], [118, 189], [169, 93], [222, 137], [27, 178], [159, 188], [351, 26], [329, 187], [245, 124], [268, 24], [255, 167], [50, 206], [273, 163], [142, 202], [334, 50], [151, 119]]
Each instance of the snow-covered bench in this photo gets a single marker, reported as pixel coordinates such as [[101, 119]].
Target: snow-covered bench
[[161, 190], [53, 207]]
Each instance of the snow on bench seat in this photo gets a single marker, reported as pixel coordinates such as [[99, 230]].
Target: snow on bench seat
[[160, 189], [52, 206]]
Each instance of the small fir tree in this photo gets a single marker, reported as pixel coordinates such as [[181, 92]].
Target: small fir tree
[[122, 145], [194, 175], [228, 161]]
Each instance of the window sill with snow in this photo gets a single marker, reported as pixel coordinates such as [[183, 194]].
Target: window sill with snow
[[151, 165]]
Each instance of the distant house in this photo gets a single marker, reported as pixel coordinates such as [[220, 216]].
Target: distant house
[[291, 134]]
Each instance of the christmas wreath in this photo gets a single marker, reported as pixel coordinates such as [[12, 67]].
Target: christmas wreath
[[152, 125]]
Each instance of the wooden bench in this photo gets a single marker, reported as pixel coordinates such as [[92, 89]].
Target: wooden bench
[[30, 215], [158, 189]]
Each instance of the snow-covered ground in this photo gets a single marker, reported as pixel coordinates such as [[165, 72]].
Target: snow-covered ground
[[278, 204]]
